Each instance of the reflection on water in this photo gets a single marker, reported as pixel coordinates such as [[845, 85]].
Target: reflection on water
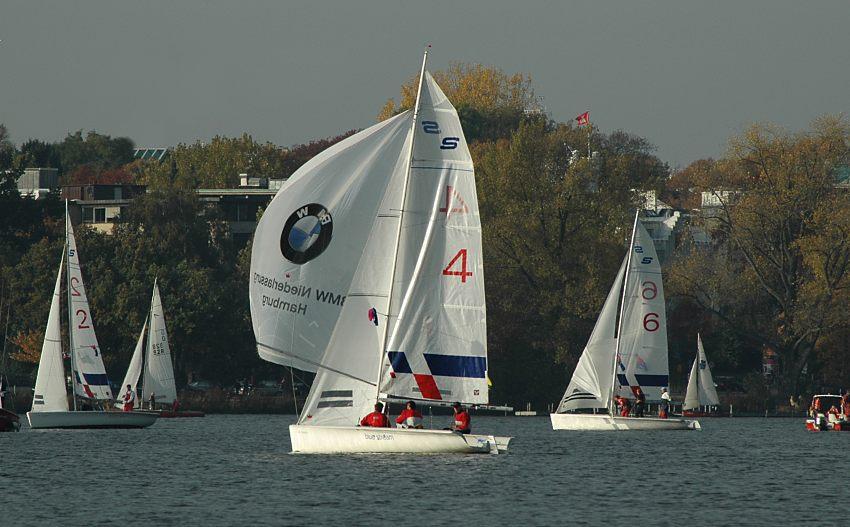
[[228, 470]]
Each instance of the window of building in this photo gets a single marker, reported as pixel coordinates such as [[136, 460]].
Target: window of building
[[100, 215], [88, 215]]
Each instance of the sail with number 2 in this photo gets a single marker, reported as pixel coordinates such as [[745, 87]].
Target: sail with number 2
[[366, 268]]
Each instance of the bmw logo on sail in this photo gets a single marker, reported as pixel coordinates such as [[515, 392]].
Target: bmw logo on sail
[[306, 233]]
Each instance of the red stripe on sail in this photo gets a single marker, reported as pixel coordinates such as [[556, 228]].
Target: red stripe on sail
[[88, 391], [427, 386]]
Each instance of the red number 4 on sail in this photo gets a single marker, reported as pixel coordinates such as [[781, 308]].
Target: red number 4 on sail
[[463, 273]]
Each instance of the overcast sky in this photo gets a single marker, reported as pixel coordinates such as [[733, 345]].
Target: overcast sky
[[683, 74]]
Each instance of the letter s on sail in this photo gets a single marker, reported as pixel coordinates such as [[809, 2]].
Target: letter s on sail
[[449, 143]]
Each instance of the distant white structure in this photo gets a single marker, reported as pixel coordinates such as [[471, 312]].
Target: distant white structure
[[663, 224]]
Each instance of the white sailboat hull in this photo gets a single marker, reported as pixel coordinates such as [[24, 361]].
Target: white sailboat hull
[[362, 440], [91, 419], [606, 422]]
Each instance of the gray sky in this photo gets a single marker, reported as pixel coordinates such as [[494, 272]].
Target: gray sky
[[683, 74]]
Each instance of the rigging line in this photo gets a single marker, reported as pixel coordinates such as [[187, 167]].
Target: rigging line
[[294, 396], [316, 364]]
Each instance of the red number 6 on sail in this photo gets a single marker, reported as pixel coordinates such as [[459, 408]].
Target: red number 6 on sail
[[650, 322], [650, 290]]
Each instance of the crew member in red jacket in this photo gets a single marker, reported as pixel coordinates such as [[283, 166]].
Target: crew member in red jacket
[[129, 399], [462, 422], [377, 418], [410, 417]]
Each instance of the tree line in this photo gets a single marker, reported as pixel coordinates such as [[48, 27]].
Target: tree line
[[763, 271]]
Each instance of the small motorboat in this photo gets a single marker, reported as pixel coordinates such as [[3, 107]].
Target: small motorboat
[[827, 415]]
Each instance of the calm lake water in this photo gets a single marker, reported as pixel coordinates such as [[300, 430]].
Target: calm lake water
[[236, 470]]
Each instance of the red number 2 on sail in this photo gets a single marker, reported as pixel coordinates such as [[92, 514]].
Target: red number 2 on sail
[[82, 324], [463, 273]]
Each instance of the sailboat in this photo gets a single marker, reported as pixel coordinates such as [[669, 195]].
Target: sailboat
[[155, 359], [701, 391], [367, 269], [88, 375], [627, 349], [9, 420]]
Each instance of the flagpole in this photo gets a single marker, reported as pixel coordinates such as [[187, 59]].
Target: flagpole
[[589, 131]]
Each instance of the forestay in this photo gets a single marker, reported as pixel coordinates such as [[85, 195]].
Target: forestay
[[90, 375], [159, 371], [438, 344], [590, 386], [701, 390], [50, 394], [642, 359]]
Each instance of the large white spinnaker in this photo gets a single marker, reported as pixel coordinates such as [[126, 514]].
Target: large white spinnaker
[[590, 386], [438, 344], [50, 394], [134, 370], [159, 370], [642, 359], [701, 390], [321, 261], [88, 370]]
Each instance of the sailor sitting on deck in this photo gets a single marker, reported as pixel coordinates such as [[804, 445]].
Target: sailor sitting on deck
[[376, 419], [129, 399], [410, 417], [462, 422]]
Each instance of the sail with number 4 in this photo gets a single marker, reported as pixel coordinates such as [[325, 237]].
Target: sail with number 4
[[366, 268], [628, 346], [701, 390], [88, 370]]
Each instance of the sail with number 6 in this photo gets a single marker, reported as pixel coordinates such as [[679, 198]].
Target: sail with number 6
[[367, 268]]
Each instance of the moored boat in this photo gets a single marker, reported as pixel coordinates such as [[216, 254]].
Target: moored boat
[[9, 421], [627, 350], [366, 268]]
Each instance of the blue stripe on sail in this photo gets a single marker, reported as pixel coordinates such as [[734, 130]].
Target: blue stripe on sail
[[399, 362], [96, 379], [456, 366], [652, 380], [621, 378]]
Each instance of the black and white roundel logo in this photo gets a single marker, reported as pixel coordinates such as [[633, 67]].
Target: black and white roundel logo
[[306, 233]]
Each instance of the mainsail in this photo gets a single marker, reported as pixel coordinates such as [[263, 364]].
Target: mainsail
[[134, 371], [50, 394], [642, 359], [88, 370], [159, 371], [361, 222], [701, 390]]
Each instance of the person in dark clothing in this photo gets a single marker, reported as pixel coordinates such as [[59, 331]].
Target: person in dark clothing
[[640, 402]]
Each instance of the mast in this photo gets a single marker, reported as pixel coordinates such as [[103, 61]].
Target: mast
[[383, 349], [70, 308], [620, 322]]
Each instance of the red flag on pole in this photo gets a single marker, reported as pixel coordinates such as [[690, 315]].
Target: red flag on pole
[[583, 119]]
